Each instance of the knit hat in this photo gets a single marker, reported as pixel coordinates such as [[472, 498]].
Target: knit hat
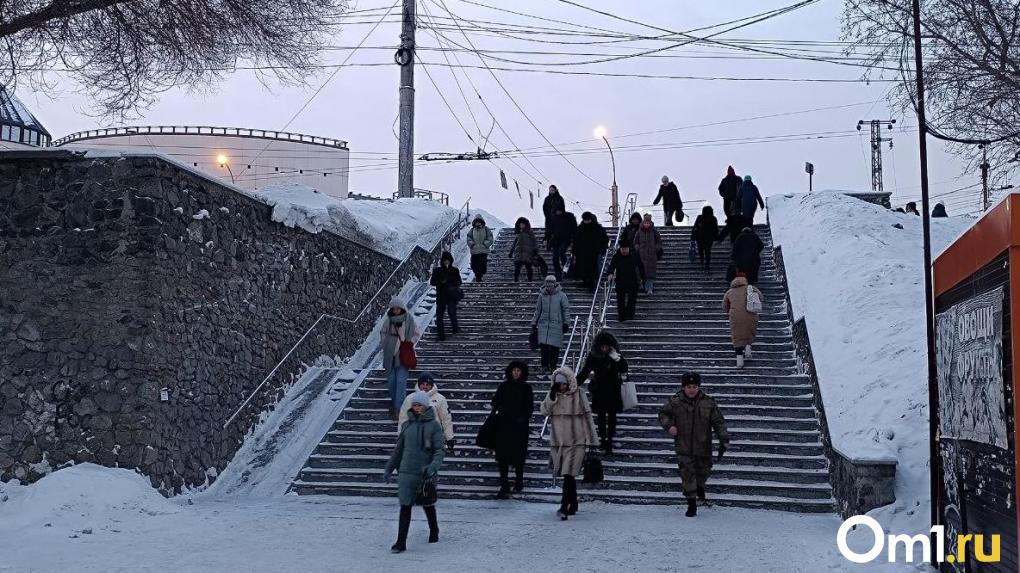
[[426, 377], [422, 398], [747, 178], [690, 378], [397, 302], [550, 280], [730, 170]]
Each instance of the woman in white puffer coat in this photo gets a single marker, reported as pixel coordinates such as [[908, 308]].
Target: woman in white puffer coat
[[427, 384]]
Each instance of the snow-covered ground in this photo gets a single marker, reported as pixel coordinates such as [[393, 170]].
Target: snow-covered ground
[[88, 518], [855, 274], [393, 227]]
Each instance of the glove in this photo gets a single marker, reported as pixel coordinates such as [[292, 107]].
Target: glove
[[430, 473], [722, 450], [450, 444], [387, 477]]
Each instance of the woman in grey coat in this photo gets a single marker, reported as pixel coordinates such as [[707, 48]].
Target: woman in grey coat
[[552, 319], [398, 326], [417, 456]]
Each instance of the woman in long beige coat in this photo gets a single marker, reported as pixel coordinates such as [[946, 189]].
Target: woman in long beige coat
[[573, 431], [743, 323]]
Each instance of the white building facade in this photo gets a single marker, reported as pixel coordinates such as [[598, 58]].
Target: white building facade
[[249, 158]]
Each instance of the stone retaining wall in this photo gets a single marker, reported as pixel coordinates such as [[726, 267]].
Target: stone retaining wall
[[120, 277]]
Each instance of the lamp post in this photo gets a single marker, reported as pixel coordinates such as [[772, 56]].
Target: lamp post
[[222, 160], [614, 207]]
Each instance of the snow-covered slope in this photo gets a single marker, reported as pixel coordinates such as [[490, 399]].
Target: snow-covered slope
[[855, 274]]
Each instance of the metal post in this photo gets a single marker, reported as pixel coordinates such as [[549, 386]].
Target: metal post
[[929, 300], [811, 182], [984, 177], [614, 207], [405, 58]]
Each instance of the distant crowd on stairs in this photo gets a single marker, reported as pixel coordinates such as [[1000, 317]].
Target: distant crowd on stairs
[[578, 249]]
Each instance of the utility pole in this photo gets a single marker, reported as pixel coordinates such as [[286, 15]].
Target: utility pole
[[876, 149], [405, 59], [984, 176]]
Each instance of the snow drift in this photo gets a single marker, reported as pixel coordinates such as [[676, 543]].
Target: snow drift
[[393, 227], [855, 274], [80, 498]]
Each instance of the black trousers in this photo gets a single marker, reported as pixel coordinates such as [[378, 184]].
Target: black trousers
[[626, 302], [606, 422], [550, 356], [669, 213], [517, 270], [405, 523], [480, 265], [705, 254], [446, 307], [504, 474], [750, 268], [568, 501]]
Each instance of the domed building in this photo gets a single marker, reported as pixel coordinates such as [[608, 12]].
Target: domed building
[[19, 129]]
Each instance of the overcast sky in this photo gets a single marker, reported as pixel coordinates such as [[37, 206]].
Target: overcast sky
[[359, 105]]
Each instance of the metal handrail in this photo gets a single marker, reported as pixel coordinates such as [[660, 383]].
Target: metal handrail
[[570, 343], [199, 130], [593, 326], [454, 228]]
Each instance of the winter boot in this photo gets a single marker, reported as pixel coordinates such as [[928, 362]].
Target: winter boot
[[747, 352], [609, 446], [740, 361], [430, 514], [405, 524], [504, 490], [692, 508]]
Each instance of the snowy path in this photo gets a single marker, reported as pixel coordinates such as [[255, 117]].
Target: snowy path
[[354, 534]]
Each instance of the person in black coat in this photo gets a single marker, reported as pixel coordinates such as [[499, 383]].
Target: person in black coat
[[446, 279], [513, 405], [939, 211], [590, 244], [633, 226], [704, 233], [608, 367], [747, 254], [671, 203], [728, 188], [629, 273], [564, 227], [552, 204], [734, 224]]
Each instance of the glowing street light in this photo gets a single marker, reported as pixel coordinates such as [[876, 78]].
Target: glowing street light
[[614, 208], [222, 160]]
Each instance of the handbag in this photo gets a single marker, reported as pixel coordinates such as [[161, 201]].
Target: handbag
[[592, 470], [428, 493], [408, 359], [486, 437], [628, 395]]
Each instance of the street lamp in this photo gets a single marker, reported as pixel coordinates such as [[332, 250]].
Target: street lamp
[[222, 160], [614, 208]]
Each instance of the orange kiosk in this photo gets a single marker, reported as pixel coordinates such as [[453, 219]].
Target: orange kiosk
[[977, 309]]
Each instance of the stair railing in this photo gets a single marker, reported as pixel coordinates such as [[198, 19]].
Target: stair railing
[[596, 321], [570, 344], [463, 213]]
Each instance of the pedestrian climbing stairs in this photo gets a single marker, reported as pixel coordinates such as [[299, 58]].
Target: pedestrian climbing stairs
[[775, 461]]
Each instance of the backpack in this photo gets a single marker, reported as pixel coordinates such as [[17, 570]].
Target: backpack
[[754, 303]]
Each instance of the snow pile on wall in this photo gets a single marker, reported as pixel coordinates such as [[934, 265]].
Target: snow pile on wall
[[393, 227], [857, 280], [80, 498]]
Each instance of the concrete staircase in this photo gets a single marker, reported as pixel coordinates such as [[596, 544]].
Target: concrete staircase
[[775, 461]]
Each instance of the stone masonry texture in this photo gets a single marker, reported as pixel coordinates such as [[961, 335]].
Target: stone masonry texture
[[122, 276]]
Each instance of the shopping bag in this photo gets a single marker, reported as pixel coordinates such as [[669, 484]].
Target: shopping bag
[[487, 433], [592, 470], [628, 394], [408, 359]]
